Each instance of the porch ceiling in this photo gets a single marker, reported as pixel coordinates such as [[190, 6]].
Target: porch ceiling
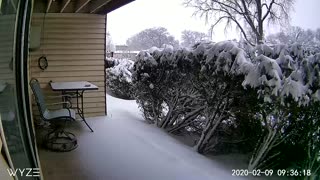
[[78, 6]]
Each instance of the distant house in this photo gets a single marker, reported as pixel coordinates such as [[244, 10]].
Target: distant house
[[122, 48], [123, 51]]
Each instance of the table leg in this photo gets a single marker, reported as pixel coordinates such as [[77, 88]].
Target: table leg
[[63, 99], [81, 110], [77, 94]]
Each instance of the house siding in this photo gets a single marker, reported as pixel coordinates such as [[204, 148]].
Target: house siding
[[74, 45]]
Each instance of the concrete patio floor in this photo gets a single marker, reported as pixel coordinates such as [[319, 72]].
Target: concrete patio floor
[[124, 147]]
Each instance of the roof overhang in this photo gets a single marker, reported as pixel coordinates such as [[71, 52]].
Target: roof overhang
[[78, 6], [115, 4]]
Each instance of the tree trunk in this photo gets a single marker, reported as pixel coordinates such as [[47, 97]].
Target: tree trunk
[[262, 151], [260, 37], [260, 22], [185, 123], [214, 119], [200, 144], [173, 119], [207, 135], [187, 120], [156, 114], [167, 118]]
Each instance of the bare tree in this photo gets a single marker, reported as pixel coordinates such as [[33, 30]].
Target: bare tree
[[189, 38], [110, 46], [286, 36], [247, 15], [295, 34], [151, 37]]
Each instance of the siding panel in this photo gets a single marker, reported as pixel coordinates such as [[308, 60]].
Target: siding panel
[[69, 52], [74, 47], [73, 63], [72, 41], [60, 57]]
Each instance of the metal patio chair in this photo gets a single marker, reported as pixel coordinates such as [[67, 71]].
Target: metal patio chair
[[58, 139]]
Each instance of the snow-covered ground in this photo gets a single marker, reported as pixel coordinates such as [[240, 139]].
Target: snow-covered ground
[[124, 147], [147, 152]]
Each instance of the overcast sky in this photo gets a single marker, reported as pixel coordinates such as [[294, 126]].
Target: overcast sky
[[171, 14]]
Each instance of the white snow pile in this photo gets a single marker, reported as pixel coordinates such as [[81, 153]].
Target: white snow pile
[[280, 71], [225, 57], [285, 73], [146, 58], [122, 70], [119, 78]]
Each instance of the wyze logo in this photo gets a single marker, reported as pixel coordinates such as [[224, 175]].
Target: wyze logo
[[24, 172]]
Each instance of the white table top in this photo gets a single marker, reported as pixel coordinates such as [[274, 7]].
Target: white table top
[[73, 86]]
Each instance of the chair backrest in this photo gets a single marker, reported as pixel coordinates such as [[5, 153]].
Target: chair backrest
[[39, 97]]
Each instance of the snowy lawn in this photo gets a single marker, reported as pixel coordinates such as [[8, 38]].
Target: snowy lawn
[[147, 152]]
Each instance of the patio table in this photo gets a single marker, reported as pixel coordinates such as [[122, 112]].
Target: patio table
[[78, 87]]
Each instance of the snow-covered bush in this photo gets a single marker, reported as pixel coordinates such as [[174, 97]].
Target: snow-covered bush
[[306, 136], [163, 88], [218, 88], [284, 77], [222, 67], [119, 79], [204, 82]]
